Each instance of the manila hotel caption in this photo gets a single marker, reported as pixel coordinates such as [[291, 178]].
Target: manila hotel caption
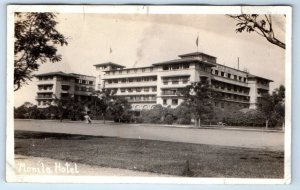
[[159, 83]]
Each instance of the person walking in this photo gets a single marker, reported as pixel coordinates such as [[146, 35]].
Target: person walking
[[87, 118]]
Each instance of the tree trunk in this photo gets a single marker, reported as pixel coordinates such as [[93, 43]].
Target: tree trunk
[[282, 126], [103, 117], [267, 124], [199, 123]]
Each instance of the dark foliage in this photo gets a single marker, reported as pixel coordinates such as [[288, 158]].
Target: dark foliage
[[36, 41]]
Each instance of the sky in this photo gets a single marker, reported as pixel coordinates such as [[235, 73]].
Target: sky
[[138, 40]]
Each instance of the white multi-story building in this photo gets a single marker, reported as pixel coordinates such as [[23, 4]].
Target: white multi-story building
[[159, 83], [61, 85]]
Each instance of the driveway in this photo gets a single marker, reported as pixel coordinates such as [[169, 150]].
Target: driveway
[[238, 138]]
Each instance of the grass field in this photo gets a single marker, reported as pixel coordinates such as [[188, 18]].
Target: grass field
[[180, 159]]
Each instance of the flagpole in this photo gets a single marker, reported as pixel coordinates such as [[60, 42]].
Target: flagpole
[[197, 42]]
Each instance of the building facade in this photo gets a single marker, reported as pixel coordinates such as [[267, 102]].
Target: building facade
[[63, 85], [160, 83]]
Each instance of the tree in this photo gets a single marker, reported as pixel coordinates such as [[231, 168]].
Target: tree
[[67, 106], [260, 24], [199, 97], [273, 106], [36, 40], [101, 101], [118, 108]]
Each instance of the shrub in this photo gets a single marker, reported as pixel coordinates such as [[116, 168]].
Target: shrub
[[169, 119]]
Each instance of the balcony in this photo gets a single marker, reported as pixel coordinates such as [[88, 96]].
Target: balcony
[[175, 84], [43, 97], [129, 75], [131, 84], [231, 92], [230, 81], [126, 93]]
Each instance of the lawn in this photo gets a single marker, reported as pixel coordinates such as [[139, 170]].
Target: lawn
[[180, 159]]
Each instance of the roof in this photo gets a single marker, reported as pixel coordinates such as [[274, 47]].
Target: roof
[[254, 76], [58, 73], [195, 54], [109, 63], [76, 74], [184, 60]]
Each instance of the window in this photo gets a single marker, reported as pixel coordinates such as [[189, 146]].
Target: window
[[240, 78], [39, 103], [222, 74], [123, 81], [235, 77], [165, 82], [122, 90], [175, 67], [128, 71], [143, 69], [129, 89], [164, 101], [245, 80], [151, 69], [175, 82], [174, 102], [138, 80], [228, 75], [185, 81], [165, 67], [138, 90], [135, 70], [186, 66], [222, 105], [154, 89], [91, 82], [146, 79], [146, 89], [216, 72], [65, 87], [83, 81]]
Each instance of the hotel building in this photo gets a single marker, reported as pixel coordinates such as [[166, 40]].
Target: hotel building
[[61, 85], [159, 83]]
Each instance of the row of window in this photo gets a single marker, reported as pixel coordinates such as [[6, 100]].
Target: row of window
[[129, 80], [235, 97], [141, 98], [84, 88], [44, 95], [45, 78], [169, 92], [228, 75], [175, 82], [229, 87], [262, 91], [138, 89], [174, 102], [230, 104], [263, 82], [45, 87], [80, 81], [176, 67], [129, 71], [44, 102]]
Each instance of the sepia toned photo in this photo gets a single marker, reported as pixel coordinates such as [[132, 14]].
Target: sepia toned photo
[[149, 94]]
